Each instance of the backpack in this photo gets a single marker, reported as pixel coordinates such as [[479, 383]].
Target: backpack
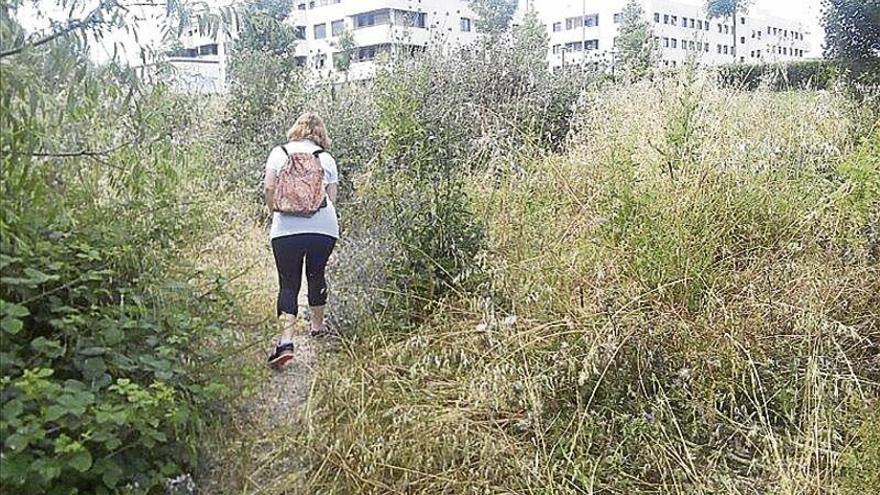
[[299, 186]]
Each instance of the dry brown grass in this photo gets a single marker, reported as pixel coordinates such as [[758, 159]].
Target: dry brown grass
[[686, 302]]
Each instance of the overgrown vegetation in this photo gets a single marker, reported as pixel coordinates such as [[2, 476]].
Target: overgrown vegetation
[[108, 380], [709, 330], [546, 283], [818, 75]]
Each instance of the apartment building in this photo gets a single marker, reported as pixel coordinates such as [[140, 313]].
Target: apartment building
[[583, 33], [199, 65], [377, 27]]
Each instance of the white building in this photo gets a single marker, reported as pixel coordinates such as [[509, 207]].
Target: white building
[[583, 33], [200, 64], [377, 27]]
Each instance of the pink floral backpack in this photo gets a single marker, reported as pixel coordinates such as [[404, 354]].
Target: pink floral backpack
[[299, 186]]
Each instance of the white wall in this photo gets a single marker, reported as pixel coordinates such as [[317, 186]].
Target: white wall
[[671, 23], [443, 28]]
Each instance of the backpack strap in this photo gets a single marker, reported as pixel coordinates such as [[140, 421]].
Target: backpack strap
[[318, 152], [284, 150]]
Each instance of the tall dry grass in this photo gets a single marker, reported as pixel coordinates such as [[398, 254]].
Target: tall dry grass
[[685, 301]]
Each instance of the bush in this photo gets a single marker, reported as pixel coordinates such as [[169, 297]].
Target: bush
[[106, 378], [817, 74]]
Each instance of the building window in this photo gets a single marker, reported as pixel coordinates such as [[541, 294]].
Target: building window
[[719, 48], [693, 23], [617, 18], [574, 22], [691, 45], [742, 20], [208, 49], [320, 61], [369, 19], [742, 39], [337, 27], [684, 22], [674, 43], [706, 25], [674, 20], [665, 18], [726, 50], [415, 19], [657, 17], [591, 20], [299, 33], [320, 31], [557, 49], [726, 29], [720, 28], [700, 24], [665, 42], [576, 46], [465, 25], [591, 44], [557, 27]]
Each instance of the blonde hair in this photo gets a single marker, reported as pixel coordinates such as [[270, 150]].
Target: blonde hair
[[310, 126]]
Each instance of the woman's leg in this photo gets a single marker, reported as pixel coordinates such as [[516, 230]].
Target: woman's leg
[[289, 253], [320, 247]]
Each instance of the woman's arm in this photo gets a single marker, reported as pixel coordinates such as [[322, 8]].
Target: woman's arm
[[332, 191], [269, 189]]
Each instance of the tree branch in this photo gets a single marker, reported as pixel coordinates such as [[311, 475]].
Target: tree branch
[[92, 19]]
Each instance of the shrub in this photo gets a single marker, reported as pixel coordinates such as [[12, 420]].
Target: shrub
[[819, 74], [106, 378]]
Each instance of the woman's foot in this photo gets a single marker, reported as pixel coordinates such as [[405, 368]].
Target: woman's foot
[[321, 331], [283, 354]]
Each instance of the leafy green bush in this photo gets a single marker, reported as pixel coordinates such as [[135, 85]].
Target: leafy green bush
[[107, 380]]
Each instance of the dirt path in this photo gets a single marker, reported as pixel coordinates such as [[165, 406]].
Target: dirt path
[[249, 454]]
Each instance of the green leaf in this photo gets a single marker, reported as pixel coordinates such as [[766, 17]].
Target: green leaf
[[6, 260], [112, 473], [55, 412], [12, 409], [16, 442], [94, 351], [93, 368], [81, 461], [49, 348], [13, 310], [11, 325]]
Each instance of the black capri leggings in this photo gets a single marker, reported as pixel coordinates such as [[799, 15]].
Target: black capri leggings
[[290, 251]]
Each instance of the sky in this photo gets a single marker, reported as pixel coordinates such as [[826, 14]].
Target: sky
[[806, 11]]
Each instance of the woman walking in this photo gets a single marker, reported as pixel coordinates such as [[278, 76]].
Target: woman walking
[[301, 187]]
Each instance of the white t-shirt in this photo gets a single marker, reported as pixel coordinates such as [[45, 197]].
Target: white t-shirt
[[325, 220]]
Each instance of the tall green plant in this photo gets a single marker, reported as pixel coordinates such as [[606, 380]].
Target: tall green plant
[[635, 49], [494, 16]]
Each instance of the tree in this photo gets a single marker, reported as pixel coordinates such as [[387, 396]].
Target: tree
[[635, 49], [263, 28], [532, 39], [852, 37], [728, 8], [344, 57], [495, 16]]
